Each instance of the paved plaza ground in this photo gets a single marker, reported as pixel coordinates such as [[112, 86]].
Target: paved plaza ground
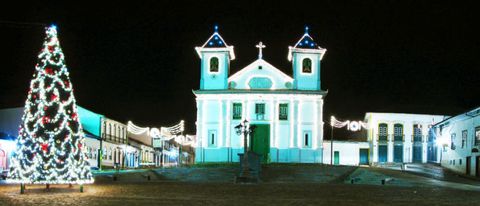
[[281, 185]]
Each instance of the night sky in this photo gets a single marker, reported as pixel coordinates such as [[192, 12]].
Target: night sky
[[137, 61]]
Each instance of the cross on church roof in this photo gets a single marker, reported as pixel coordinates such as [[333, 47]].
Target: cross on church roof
[[260, 46]]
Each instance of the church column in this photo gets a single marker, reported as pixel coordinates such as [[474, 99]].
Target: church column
[[292, 120], [298, 123], [221, 126], [228, 129], [199, 122], [245, 115], [315, 136], [272, 121], [228, 124]]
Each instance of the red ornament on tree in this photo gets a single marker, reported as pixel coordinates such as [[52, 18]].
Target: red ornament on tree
[[44, 147], [53, 97], [49, 70], [50, 48], [45, 120]]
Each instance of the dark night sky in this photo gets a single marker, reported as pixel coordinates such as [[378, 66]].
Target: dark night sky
[[137, 61]]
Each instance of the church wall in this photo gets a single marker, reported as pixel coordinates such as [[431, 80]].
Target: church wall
[[305, 81], [286, 142], [214, 80]]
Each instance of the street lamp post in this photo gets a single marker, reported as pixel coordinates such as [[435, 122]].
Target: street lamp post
[[246, 130], [331, 141]]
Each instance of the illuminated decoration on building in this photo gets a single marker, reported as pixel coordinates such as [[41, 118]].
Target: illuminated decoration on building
[[50, 145], [165, 133], [351, 125]]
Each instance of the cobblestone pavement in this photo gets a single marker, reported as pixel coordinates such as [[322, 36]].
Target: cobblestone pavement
[[196, 188]]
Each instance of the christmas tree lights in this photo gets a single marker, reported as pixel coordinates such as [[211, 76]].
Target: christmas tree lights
[[50, 141]]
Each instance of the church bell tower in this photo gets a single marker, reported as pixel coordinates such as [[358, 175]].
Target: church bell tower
[[306, 56], [215, 57]]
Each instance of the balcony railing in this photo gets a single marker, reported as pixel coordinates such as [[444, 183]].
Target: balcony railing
[[395, 138], [417, 138], [398, 138], [382, 138], [113, 138]]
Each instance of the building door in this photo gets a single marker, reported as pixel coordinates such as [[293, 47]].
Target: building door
[[432, 153], [468, 166], [363, 157], [477, 164], [417, 154], [336, 159], [398, 153], [382, 153], [260, 141]]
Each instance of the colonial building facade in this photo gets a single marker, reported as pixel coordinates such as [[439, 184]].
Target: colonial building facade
[[458, 140], [286, 111], [400, 138]]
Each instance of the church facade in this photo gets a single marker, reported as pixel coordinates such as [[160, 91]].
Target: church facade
[[287, 112]]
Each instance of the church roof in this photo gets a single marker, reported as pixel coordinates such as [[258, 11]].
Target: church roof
[[216, 43], [306, 42]]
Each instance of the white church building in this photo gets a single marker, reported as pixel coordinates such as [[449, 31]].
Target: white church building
[[287, 111]]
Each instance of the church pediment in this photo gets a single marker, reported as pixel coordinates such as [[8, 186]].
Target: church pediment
[[260, 75]]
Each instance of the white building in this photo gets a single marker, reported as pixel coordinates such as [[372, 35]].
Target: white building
[[287, 111], [346, 153], [459, 142], [114, 143], [401, 138]]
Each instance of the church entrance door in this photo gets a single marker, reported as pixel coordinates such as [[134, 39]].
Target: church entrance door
[[260, 141]]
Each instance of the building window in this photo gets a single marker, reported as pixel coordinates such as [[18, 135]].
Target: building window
[[260, 110], [398, 132], [283, 112], [237, 110], [110, 132], [417, 133], [307, 65], [307, 139], [212, 138], [104, 130], [477, 136], [214, 64], [459, 161], [382, 131], [464, 138], [452, 141]]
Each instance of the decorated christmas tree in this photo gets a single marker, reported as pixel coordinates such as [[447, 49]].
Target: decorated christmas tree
[[50, 141]]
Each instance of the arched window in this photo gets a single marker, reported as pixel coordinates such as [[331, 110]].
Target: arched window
[[398, 132], [382, 131], [307, 65], [214, 64]]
